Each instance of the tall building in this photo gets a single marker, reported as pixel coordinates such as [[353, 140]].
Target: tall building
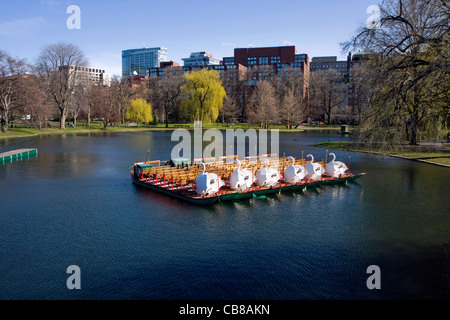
[[136, 62], [90, 74], [271, 61], [201, 59]]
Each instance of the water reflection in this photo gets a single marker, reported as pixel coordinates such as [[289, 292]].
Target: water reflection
[[52, 166], [312, 244]]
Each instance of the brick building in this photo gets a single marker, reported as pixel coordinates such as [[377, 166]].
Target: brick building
[[248, 66]]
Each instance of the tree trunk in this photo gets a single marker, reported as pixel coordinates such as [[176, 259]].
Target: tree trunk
[[89, 117], [329, 107], [4, 121], [62, 119], [122, 115], [167, 117], [414, 126]]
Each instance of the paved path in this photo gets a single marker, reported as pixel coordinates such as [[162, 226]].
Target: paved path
[[435, 145]]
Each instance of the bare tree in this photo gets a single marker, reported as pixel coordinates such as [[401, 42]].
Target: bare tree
[[79, 101], [60, 63], [33, 100], [264, 105], [289, 79], [166, 95], [104, 105], [292, 108], [231, 109], [11, 80], [122, 92], [325, 92]]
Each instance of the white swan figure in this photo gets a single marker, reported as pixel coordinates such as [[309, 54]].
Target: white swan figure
[[208, 183], [294, 173], [335, 168], [314, 171], [267, 177], [241, 179]]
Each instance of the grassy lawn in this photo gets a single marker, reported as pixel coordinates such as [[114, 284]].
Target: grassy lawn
[[409, 152], [20, 130]]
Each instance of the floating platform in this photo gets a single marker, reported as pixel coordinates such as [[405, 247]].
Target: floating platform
[[179, 181], [18, 154]]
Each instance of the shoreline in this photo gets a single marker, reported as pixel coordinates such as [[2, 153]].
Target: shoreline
[[338, 145], [15, 134], [332, 145]]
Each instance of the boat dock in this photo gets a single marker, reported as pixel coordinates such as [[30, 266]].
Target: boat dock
[[18, 154]]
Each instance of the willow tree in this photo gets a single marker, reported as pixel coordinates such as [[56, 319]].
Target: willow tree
[[205, 95], [139, 110], [409, 71]]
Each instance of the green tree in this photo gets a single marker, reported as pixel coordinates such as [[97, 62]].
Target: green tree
[[205, 95], [139, 110]]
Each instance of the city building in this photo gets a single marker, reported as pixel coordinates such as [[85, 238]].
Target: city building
[[331, 62], [225, 71], [136, 62], [200, 59], [348, 86], [278, 57], [247, 67], [90, 74]]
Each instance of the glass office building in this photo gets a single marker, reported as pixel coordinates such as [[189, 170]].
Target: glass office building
[[200, 59], [136, 62]]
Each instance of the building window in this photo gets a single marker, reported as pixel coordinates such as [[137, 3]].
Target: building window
[[300, 58], [274, 60], [263, 60], [228, 60], [251, 61]]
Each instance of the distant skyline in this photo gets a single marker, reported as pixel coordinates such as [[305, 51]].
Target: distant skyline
[[109, 26]]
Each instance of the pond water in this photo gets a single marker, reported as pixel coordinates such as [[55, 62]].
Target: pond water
[[75, 204]]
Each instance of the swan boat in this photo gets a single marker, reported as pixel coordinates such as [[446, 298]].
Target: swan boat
[[207, 181]]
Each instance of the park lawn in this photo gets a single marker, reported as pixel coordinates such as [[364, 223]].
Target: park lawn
[[26, 130], [408, 152]]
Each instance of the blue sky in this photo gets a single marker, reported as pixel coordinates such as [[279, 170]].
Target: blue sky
[[110, 26]]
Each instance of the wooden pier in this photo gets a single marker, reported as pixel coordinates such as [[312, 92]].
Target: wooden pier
[[18, 154]]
